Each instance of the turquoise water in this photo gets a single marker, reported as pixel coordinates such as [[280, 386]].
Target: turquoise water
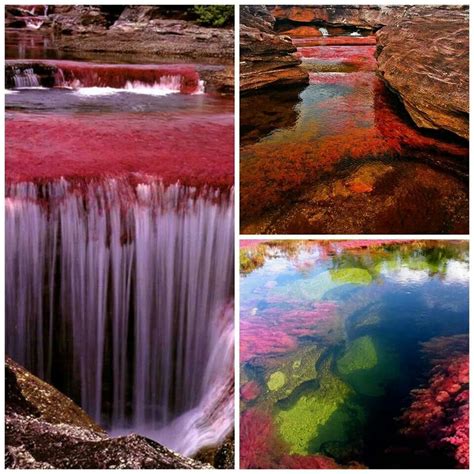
[[331, 340]]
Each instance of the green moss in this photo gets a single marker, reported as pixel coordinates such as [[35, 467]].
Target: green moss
[[368, 366], [360, 354], [300, 425], [276, 381], [354, 276]]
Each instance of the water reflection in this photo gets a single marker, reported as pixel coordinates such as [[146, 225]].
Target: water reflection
[[332, 341]]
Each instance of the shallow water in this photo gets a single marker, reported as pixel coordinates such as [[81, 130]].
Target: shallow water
[[331, 346], [336, 147]]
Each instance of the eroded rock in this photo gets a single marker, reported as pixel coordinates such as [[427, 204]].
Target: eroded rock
[[45, 429], [266, 58], [424, 58]]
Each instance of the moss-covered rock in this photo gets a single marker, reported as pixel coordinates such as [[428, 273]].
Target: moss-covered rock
[[276, 381], [301, 424], [360, 355], [368, 365]]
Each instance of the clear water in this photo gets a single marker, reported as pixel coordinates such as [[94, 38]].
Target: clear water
[[330, 344]]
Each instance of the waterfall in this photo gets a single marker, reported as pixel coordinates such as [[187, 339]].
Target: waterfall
[[25, 78], [179, 78], [118, 293]]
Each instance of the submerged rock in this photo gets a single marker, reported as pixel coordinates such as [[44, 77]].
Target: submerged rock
[[45, 429], [266, 58], [424, 58]]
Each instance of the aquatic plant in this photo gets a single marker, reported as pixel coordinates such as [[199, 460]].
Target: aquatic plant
[[276, 330], [368, 365], [360, 354], [250, 391], [353, 276], [261, 448], [276, 381], [259, 445], [300, 424], [439, 412]]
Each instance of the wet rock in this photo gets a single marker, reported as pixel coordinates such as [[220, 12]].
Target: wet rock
[[265, 58], [424, 58], [45, 429], [221, 457]]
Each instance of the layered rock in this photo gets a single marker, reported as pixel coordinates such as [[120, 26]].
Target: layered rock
[[45, 429], [265, 58], [424, 58], [367, 17]]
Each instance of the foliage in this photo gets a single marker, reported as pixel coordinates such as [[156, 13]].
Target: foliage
[[214, 15]]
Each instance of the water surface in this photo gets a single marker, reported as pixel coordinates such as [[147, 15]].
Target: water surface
[[331, 344]]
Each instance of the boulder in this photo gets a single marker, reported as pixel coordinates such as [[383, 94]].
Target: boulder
[[45, 429], [266, 58], [424, 58]]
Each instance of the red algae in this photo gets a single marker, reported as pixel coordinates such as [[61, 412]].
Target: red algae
[[276, 330], [261, 448], [357, 120], [439, 412], [250, 391], [86, 74], [193, 149]]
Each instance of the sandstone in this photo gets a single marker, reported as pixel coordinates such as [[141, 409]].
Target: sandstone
[[424, 58], [266, 58], [367, 17]]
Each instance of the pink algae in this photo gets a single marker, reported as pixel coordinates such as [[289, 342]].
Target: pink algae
[[276, 330], [439, 412], [193, 149]]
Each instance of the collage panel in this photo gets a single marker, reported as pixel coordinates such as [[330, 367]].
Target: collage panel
[[119, 325], [354, 354], [354, 119]]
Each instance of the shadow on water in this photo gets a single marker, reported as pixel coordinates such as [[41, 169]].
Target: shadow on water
[[261, 113]]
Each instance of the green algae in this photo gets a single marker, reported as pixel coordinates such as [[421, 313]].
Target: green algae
[[360, 354], [276, 381], [354, 276], [316, 287], [368, 366], [300, 424], [296, 368]]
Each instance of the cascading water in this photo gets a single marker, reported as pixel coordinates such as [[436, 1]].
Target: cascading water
[[25, 78], [119, 295]]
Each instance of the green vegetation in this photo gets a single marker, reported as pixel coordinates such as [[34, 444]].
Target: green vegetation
[[315, 413], [360, 355], [368, 366], [276, 381], [214, 15], [354, 276]]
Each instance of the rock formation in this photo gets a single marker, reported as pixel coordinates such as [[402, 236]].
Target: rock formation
[[424, 58], [422, 54], [367, 17], [45, 429], [265, 58]]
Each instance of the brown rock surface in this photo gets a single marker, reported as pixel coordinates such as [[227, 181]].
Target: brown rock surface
[[366, 17], [45, 430], [304, 31], [424, 58], [265, 58]]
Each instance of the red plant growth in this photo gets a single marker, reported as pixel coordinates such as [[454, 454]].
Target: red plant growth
[[439, 412]]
